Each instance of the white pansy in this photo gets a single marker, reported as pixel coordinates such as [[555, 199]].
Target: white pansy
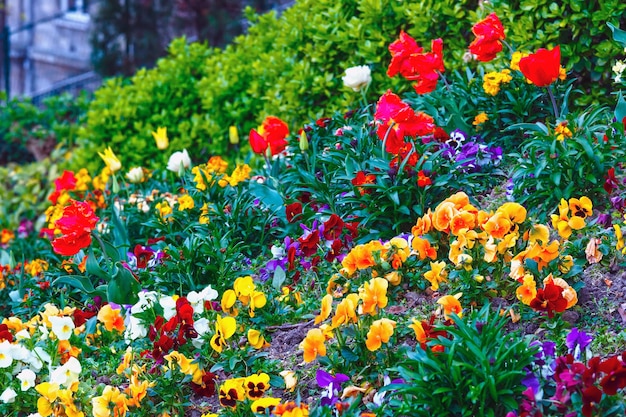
[[27, 379], [147, 299], [6, 354], [135, 329], [357, 77], [15, 296], [66, 374], [37, 358], [179, 161], [8, 396], [197, 299], [62, 327], [278, 252], [202, 327], [169, 306], [22, 335]]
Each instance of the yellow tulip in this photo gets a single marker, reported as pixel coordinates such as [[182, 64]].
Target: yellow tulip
[[160, 137], [111, 161]]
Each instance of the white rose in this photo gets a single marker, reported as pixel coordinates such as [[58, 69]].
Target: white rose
[[135, 175], [179, 161], [357, 77]]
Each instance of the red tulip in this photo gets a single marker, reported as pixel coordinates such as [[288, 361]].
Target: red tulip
[[542, 67], [489, 32], [272, 134]]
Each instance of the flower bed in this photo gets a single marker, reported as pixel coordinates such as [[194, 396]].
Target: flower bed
[[423, 255]]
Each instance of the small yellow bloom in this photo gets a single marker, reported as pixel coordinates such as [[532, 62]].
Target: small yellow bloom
[[111, 161], [233, 135], [480, 119], [256, 339], [492, 81], [516, 58], [562, 131], [160, 137], [185, 202]]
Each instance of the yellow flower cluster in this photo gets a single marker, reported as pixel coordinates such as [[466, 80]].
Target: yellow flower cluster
[[215, 169], [562, 131], [493, 80]]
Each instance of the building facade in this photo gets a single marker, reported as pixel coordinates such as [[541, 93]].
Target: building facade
[[48, 44]]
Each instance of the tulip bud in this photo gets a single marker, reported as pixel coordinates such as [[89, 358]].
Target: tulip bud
[[304, 142], [135, 175], [233, 135]]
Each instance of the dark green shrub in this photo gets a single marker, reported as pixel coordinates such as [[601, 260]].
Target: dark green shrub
[[291, 66]]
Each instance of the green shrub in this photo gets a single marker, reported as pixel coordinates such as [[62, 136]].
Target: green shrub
[[31, 132], [291, 66], [125, 112]]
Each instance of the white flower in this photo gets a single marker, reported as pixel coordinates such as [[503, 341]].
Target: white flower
[[278, 252], [22, 335], [27, 379], [8, 396], [37, 357], [62, 327], [68, 373], [201, 326], [179, 161], [15, 296], [357, 77], [147, 299], [135, 329], [135, 175], [197, 299], [169, 307], [6, 354]]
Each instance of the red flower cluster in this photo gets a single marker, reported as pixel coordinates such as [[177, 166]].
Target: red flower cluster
[[66, 182], [272, 133], [363, 178], [549, 299], [409, 60], [489, 32], [76, 224], [173, 333], [543, 67], [572, 376], [396, 120]]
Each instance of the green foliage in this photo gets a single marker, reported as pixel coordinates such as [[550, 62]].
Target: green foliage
[[31, 132], [291, 66], [549, 169], [124, 113], [478, 373], [24, 190]]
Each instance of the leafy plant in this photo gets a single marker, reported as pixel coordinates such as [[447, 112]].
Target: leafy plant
[[478, 372]]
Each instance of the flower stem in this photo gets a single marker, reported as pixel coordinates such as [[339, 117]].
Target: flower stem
[[553, 100], [505, 43]]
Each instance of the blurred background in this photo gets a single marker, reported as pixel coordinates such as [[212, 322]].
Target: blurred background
[[49, 47]]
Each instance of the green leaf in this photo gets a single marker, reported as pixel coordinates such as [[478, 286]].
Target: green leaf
[[93, 267], [618, 34], [279, 278], [268, 196], [620, 109], [81, 282]]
